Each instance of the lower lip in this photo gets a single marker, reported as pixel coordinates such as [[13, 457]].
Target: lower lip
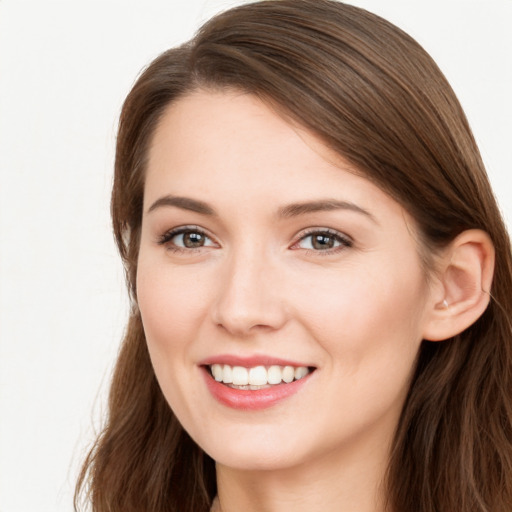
[[252, 400]]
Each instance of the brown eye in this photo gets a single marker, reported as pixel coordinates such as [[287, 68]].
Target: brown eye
[[186, 238], [323, 241], [192, 239]]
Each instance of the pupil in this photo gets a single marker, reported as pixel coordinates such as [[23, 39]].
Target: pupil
[[323, 242], [192, 240]]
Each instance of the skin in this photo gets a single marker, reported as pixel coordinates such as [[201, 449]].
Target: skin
[[357, 311]]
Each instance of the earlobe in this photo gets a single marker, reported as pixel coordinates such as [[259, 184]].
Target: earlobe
[[464, 282]]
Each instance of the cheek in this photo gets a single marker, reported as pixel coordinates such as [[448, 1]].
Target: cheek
[[171, 303], [170, 312], [366, 314], [171, 309], [369, 327]]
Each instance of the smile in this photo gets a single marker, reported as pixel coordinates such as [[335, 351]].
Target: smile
[[256, 386], [257, 377]]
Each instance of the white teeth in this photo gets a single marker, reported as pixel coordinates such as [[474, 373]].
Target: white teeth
[[300, 372], [275, 375], [240, 376], [288, 374], [257, 376], [227, 375], [217, 372]]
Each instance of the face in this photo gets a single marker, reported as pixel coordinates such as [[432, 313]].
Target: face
[[281, 293]]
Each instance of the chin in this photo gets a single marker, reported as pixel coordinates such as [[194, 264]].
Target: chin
[[254, 460], [261, 453]]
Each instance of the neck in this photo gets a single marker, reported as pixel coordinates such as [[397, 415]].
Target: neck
[[349, 481]]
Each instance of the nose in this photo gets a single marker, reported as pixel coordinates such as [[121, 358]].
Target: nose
[[250, 295]]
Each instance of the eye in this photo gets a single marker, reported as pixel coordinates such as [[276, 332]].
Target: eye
[[323, 240], [186, 237]]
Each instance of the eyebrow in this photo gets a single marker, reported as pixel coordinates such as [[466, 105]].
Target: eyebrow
[[296, 209], [291, 210], [185, 203]]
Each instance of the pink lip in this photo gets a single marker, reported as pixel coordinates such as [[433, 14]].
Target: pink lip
[[249, 362], [251, 400]]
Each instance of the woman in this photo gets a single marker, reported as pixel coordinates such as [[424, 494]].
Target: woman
[[320, 278]]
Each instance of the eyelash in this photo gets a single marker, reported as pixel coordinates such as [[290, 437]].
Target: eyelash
[[343, 241], [167, 237]]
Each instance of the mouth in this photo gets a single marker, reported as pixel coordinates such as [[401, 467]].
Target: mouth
[[257, 377], [255, 382]]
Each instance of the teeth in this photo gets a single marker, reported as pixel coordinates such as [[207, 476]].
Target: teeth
[[288, 374], [274, 375], [227, 374], [240, 376], [300, 372], [217, 372], [258, 376]]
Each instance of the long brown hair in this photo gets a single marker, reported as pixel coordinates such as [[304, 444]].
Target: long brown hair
[[371, 93]]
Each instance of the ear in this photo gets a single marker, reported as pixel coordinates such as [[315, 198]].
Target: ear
[[461, 292]]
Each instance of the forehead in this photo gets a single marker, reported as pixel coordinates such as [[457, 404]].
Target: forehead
[[227, 119], [234, 148]]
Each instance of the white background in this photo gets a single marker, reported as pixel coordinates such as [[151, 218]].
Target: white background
[[65, 67]]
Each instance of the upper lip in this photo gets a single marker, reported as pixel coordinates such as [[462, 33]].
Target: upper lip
[[250, 361]]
